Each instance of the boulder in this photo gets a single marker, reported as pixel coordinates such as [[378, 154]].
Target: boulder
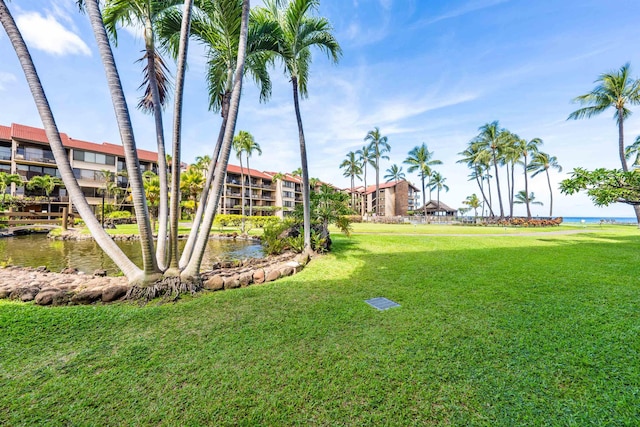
[[61, 298], [69, 270], [87, 296], [258, 276], [214, 283], [42, 269], [245, 279], [45, 296], [286, 271], [231, 282], [272, 275], [114, 292], [29, 294]]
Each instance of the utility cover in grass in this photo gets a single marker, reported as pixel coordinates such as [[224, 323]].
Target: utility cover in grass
[[381, 303]]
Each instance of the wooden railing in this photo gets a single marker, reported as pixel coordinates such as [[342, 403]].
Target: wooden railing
[[63, 219]]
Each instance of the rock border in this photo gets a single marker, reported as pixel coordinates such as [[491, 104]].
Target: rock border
[[70, 287]]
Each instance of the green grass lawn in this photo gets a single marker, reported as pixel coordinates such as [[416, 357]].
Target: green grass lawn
[[495, 331]]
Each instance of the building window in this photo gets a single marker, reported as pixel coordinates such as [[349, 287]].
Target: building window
[[289, 184], [89, 157], [288, 204], [288, 194], [5, 153]]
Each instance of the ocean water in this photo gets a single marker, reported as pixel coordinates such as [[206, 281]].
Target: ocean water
[[598, 220]]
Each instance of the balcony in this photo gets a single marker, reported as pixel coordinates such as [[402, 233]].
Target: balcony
[[38, 159]]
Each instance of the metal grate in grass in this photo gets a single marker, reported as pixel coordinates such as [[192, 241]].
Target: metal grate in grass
[[381, 303]]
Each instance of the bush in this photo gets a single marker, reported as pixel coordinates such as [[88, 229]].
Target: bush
[[271, 241], [119, 215], [263, 221]]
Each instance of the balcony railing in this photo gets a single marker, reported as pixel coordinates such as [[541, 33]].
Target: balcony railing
[[39, 159]]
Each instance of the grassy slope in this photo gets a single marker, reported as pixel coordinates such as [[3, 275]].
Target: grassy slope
[[492, 331]]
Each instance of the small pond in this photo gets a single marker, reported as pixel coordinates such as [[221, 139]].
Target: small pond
[[35, 250]]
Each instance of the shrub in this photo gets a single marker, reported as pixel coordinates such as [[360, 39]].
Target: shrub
[[271, 241], [119, 215]]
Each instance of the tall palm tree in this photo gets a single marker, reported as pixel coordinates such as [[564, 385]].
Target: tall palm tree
[[615, 89], [365, 157], [155, 81], [379, 145], [394, 173], [191, 270], [437, 183], [490, 139], [526, 150], [216, 25], [297, 33], [6, 179], [245, 143], [352, 169], [478, 160], [421, 159], [542, 162], [130, 270]]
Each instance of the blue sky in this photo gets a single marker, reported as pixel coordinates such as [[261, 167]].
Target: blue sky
[[421, 70]]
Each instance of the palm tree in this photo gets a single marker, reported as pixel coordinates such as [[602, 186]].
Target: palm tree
[[365, 157], [523, 198], [6, 179], [352, 169], [192, 183], [394, 173], [217, 24], [297, 33], [156, 84], [526, 149], [615, 89], [437, 183], [542, 162], [420, 159], [47, 184], [379, 145], [478, 160], [250, 145], [473, 202], [238, 146], [490, 139]]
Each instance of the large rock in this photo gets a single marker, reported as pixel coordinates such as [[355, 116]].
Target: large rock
[[46, 296], [87, 296], [114, 292], [29, 293], [286, 271], [245, 279], [258, 276], [231, 282], [214, 283], [69, 270], [272, 275]]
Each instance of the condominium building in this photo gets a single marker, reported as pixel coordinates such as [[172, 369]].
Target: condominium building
[[25, 151], [397, 198]]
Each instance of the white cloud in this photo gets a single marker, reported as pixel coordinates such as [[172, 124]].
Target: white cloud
[[386, 4], [47, 34], [469, 7], [6, 78]]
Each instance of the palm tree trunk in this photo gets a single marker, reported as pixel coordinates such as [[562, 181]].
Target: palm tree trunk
[[305, 170], [161, 248], [495, 165], [550, 194], [250, 196], [489, 191], [150, 267], [526, 188], [364, 195], [424, 204], [513, 189], [130, 270], [480, 186], [242, 193], [377, 185], [197, 220], [623, 159], [192, 270], [177, 142]]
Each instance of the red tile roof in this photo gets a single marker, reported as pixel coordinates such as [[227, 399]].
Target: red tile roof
[[372, 188], [254, 173], [5, 133], [28, 133], [287, 177]]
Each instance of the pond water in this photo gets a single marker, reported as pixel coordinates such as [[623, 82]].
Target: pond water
[[35, 250]]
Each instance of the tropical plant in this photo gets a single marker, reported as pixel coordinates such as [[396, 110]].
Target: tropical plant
[[420, 159], [604, 186], [297, 32], [191, 184], [47, 184], [473, 202], [437, 183], [523, 199], [478, 160], [491, 138], [526, 150], [542, 162], [6, 179], [365, 157], [379, 145], [394, 173], [352, 169], [617, 90]]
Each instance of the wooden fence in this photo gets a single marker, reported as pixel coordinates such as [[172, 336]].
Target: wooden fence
[[12, 219]]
